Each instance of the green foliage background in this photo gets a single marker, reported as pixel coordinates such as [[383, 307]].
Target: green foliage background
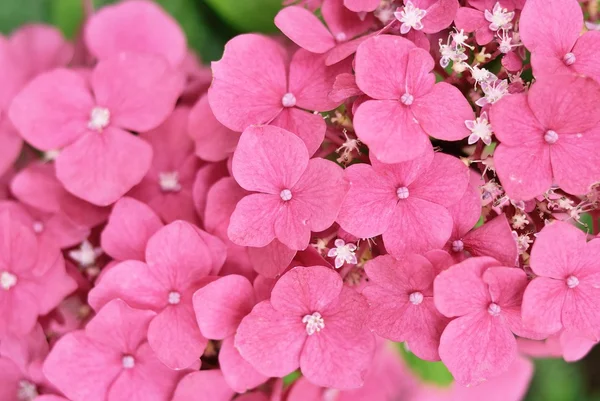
[[208, 25]]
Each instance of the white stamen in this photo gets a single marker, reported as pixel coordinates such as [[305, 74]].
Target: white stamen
[[38, 227], [341, 37], [411, 17], [128, 361], [494, 309], [99, 118], [550, 137], [402, 192], [314, 323], [285, 195], [407, 99], [480, 129], [27, 391], [50, 155], [569, 59], [86, 254], [499, 17], [343, 253], [572, 281], [169, 181], [174, 297], [288, 100], [457, 246], [416, 298], [7, 280]]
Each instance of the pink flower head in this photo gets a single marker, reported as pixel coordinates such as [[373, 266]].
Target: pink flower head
[[486, 18], [429, 16], [486, 301], [33, 279], [401, 302], [130, 225], [407, 106], [314, 322], [242, 94], [557, 50], [167, 187], [548, 136], [396, 199], [110, 360], [214, 141], [220, 307], [205, 385], [294, 196], [566, 285], [137, 26], [306, 30], [494, 238], [178, 257], [99, 160]]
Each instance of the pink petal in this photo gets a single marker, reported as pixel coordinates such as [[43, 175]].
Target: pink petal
[[304, 290], [241, 93], [443, 183], [390, 130], [18, 244], [343, 23], [470, 20], [221, 305], [307, 126], [586, 52], [311, 80], [137, 26], [344, 50], [15, 75], [538, 28], [37, 186], [252, 222], [558, 250], [238, 373], [401, 276], [461, 290], [494, 239], [304, 29], [411, 231], [221, 200], [442, 112], [439, 15], [214, 141], [466, 212], [492, 348], [139, 90], [344, 88], [575, 346], [361, 5], [53, 110], [101, 167], [514, 123], [524, 171], [579, 312], [129, 227], [512, 61], [271, 341], [206, 176], [381, 64], [175, 337], [205, 385], [543, 304], [419, 78], [10, 145], [271, 260], [269, 159]]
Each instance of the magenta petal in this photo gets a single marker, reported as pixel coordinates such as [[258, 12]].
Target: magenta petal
[[579, 310], [205, 385], [253, 220], [135, 26], [399, 276], [466, 212], [221, 305], [269, 159], [307, 126], [492, 348], [271, 260], [102, 167], [444, 182], [514, 128], [291, 225], [238, 373], [470, 20], [494, 239], [10, 145], [304, 29], [439, 15], [558, 250], [37, 186], [53, 110], [241, 93], [543, 302], [271, 341], [175, 337], [343, 23], [361, 5], [574, 345], [129, 227], [390, 130], [344, 88], [586, 51]]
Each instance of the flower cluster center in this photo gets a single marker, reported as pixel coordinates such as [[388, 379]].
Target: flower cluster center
[[169, 181], [7, 280], [314, 323], [411, 17], [572, 281], [416, 298], [99, 118], [288, 100], [550, 137], [402, 192], [494, 309], [569, 59], [174, 297], [27, 391], [128, 361], [285, 195]]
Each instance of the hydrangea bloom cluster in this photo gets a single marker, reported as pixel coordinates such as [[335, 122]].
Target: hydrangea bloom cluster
[[415, 171]]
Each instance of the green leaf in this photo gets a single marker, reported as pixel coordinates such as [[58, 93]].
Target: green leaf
[[430, 372], [248, 15], [556, 380], [291, 378], [67, 15], [14, 13]]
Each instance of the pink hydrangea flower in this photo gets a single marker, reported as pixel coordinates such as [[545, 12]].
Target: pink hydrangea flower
[[486, 18], [486, 301], [179, 257], [407, 106], [110, 360], [220, 307], [205, 385], [286, 97], [400, 296], [33, 279], [99, 160], [294, 196], [396, 200], [548, 136], [167, 187], [311, 321], [566, 284], [137, 26], [559, 51]]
